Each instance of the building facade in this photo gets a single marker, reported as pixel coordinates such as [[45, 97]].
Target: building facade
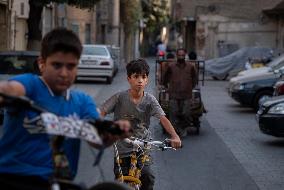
[[81, 21], [215, 28], [100, 25], [108, 22]]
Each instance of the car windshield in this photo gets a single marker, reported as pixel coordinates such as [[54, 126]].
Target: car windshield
[[17, 64], [90, 50], [277, 63]]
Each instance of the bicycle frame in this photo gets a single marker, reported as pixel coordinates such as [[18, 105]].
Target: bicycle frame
[[139, 155]]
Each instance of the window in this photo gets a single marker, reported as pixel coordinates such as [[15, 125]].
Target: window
[[103, 34], [90, 50], [75, 28], [62, 22], [22, 8], [88, 34]]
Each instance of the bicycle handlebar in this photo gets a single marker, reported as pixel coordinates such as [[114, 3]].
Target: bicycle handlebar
[[161, 145]]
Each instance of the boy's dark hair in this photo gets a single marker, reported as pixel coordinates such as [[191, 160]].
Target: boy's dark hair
[[138, 66], [61, 40]]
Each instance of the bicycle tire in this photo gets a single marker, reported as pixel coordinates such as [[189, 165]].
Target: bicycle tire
[[109, 186]]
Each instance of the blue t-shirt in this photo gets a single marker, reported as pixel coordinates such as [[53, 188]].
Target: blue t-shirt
[[23, 153]]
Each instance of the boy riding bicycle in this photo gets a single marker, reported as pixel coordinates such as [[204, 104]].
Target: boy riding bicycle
[[26, 159], [137, 106]]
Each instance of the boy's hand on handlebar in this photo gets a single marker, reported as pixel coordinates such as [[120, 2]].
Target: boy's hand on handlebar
[[125, 126], [175, 142]]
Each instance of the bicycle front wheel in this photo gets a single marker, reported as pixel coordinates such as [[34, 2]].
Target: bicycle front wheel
[[109, 186]]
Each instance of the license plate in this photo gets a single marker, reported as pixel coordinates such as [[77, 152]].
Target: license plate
[[90, 62]]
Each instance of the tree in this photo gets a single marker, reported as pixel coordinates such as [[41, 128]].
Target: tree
[[155, 16], [130, 16], [36, 7]]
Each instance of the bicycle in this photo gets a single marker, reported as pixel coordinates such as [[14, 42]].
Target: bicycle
[[59, 128], [138, 159]]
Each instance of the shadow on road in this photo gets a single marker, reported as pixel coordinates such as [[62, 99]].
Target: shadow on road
[[275, 143]]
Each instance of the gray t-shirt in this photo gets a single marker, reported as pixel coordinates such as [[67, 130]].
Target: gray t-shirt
[[138, 114]]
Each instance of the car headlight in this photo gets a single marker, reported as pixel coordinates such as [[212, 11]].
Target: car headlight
[[239, 86], [277, 109]]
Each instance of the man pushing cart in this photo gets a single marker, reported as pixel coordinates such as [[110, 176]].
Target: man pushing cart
[[178, 92]]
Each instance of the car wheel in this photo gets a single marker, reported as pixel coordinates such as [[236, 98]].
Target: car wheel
[[109, 80], [220, 77], [260, 97]]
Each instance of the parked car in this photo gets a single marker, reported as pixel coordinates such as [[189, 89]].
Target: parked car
[[17, 62], [279, 88], [96, 62], [230, 65], [252, 90], [270, 116], [275, 64], [115, 55]]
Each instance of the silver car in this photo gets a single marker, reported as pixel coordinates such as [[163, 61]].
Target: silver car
[[96, 62]]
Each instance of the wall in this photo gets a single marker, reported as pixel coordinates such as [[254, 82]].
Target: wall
[[212, 31], [234, 23], [79, 20]]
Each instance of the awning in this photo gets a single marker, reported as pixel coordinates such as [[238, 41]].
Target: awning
[[277, 10]]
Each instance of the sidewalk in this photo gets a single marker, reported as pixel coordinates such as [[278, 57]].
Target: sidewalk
[[260, 155]]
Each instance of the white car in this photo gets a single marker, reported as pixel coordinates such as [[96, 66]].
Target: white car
[[96, 62]]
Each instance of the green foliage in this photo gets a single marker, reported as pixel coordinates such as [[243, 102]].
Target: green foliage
[[130, 14], [155, 14]]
